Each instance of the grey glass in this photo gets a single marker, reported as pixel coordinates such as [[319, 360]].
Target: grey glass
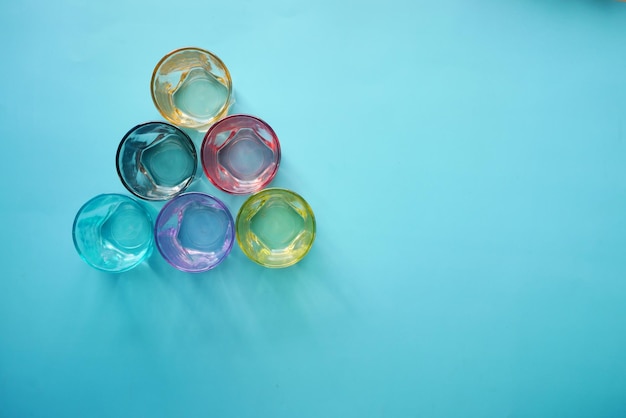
[[156, 161]]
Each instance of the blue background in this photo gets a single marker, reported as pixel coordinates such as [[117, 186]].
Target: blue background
[[465, 161]]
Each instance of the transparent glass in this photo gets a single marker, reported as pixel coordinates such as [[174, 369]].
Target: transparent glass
[[275, 228], [240, 154], [156, 161], [194, 232], [113, 233], [191, 88]]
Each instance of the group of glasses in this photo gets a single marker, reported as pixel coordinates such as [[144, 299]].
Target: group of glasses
[[157, 161]]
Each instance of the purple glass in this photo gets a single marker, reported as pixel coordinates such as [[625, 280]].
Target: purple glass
[[194, 232]]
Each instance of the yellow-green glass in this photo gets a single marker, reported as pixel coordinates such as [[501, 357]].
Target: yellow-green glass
[[275, 228], [191, 88]]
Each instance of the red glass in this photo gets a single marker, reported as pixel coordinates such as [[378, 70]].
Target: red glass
[[240, 154]]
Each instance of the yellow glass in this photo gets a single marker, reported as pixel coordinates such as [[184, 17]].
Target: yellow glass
[[192, 88], [275, 228]]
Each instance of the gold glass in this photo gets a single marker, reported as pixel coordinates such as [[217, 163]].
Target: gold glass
[[192, 88]]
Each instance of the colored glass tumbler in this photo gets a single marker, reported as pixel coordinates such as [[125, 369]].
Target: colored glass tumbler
[[156, 161], [275, 228], [192, 88], [113, 233], [194, 232], [240, 154]]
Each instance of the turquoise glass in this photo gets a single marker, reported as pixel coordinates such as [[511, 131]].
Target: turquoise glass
[[113, 233]]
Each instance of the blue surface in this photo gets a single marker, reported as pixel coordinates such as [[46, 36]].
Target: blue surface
[[465, 161]]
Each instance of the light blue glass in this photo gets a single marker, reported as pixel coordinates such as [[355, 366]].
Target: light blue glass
[[113, 233]]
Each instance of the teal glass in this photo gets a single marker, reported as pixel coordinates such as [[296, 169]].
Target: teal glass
[[113, 233]]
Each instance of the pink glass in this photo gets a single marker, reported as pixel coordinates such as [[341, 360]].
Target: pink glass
[[240, 154]]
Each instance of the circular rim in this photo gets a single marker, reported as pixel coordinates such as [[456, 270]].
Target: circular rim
[[153, 199], [244, 248], [230, 220], [203, 153], [124, 197], [223, 110]]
